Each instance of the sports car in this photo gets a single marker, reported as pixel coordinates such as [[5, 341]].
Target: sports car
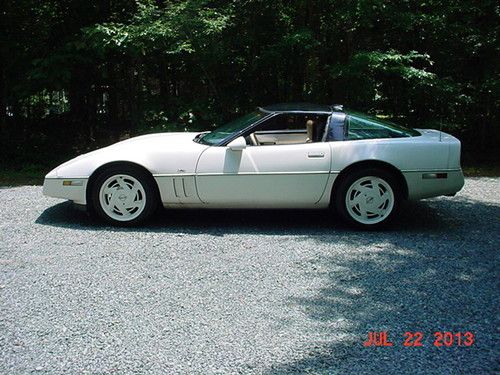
[[281, 156]]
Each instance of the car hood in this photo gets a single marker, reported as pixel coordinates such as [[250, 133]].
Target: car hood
[[159, 153], [157, 140]]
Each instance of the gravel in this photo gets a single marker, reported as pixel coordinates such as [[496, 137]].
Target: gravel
[[267, 292]]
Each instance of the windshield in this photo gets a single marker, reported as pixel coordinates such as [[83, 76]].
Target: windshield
[[361, 126], [218, 135]]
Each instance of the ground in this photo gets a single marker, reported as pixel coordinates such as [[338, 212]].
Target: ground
[[248, 291]]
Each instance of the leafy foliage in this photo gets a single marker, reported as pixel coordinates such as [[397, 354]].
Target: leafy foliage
[[97, 70]]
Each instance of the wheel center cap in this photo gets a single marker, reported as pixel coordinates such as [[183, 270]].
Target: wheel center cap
[[122, 197], [369, 200]]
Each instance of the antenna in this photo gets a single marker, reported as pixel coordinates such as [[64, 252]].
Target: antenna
[[440, 129]]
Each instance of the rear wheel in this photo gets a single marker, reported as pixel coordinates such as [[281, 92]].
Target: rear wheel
[[368, 198], [124, 195]]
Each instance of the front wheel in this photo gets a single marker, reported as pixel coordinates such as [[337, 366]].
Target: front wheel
[[124, 195], [368, 198]]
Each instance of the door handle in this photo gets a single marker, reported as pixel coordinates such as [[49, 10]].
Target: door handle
[[315, 155]]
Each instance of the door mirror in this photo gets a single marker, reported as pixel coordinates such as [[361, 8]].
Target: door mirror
[[237, 144]]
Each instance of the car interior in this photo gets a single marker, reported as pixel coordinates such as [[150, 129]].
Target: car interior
[[289, 128]]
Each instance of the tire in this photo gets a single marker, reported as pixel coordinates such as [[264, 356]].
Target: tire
[[368, 198], [124, 195]]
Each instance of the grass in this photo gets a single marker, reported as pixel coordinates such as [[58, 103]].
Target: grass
[[482, 171], [34, 174], [30, 175]]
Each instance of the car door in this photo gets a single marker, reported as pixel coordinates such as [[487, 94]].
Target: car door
[[265, 176]]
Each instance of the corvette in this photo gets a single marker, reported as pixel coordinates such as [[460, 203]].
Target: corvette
[[282, 156]]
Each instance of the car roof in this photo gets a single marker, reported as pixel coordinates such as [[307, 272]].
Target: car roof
[[301, 107]]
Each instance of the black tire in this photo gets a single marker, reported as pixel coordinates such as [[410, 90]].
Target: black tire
[[365, 178], [148, 195]]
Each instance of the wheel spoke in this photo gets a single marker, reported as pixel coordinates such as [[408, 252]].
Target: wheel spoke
[[366, 190], [355, 201], [384, 197], [135, 205], [112, 200], [132, 193], [122, 183], [362, 209], [133, 190], [122, 209]]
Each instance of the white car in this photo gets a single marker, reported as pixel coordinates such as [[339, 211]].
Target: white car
[[282, 156]]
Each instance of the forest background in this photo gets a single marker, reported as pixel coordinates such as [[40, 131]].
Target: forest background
[[77, 74]]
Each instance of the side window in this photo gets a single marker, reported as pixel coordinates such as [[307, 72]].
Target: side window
[[289, 128], [367, 127], [286, 122]]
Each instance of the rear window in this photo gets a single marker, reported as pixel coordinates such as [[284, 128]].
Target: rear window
[[361, 126]]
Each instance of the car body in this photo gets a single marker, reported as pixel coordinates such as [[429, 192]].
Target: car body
[[280, 156]]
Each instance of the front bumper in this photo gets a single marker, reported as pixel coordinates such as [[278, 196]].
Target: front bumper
[[73, 189]]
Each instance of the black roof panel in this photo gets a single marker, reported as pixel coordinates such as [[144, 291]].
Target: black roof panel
[[298, 107]]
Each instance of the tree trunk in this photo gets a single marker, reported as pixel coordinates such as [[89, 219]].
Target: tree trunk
[[3, 97], [3, 84]]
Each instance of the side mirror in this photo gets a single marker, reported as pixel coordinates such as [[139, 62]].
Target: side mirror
[[237, 144]]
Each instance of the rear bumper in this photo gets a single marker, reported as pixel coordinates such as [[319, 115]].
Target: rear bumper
[[76, 191], [427, 184]]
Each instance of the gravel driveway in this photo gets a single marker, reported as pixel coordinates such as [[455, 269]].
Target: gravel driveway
[[247, 292]]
